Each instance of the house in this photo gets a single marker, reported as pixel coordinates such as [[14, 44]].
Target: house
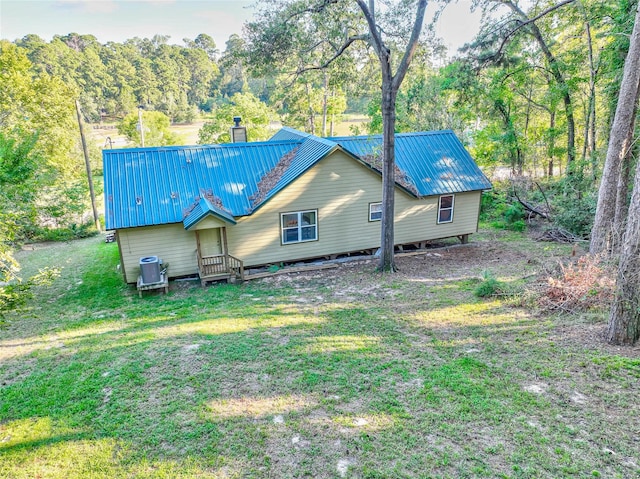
[[215, 209]]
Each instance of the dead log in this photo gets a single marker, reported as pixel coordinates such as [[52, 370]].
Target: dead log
[[530, 208]]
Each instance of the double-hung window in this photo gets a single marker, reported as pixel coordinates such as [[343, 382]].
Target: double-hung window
[[299, 226], [375, 211], [445, 209]]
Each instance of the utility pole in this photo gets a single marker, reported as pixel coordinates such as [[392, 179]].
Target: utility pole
[[141, 126], [88, 166]]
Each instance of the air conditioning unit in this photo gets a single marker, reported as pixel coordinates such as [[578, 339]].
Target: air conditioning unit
[[150, 269]]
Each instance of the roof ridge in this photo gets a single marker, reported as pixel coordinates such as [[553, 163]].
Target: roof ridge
[[303, 135], [253, 144], [379, 135]]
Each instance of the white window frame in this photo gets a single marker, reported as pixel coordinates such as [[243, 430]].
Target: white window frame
[[299, 227], [441, 209], [379, 203]]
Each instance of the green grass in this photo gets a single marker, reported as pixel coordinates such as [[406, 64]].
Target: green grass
[[394, 376]]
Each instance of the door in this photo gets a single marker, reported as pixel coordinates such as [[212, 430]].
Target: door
[[209, 242]]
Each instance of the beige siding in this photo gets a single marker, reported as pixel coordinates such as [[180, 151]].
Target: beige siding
[[209, 222], [171, 243], [341, 190], [417, 220]]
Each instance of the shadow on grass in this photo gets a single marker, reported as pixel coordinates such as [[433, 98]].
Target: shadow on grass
[[214, 377], [30, 445]]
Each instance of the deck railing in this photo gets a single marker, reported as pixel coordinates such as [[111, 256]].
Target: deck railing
[[220, 265]]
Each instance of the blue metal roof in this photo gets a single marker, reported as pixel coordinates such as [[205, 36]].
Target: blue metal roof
[[152, 186], [436, 162], [203, 209]]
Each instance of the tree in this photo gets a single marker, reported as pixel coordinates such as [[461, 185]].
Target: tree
[[318, 32], [624, 320], [19, 183], [36, 102], [604, 237], [426, 103], [256, 116], [233, 79], [156, 129], [19, 161], [521, 22]]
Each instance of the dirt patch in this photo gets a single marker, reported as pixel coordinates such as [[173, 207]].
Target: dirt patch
[[411, 287]]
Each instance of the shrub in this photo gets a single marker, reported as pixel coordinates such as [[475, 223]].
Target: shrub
[[576, 215], [519, 225], [493, 204], [514, 213], [489, 286], [15, 294], [68, 233], [496, 207]]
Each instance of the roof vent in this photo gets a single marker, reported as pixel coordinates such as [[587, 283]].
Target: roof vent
[[238, 133], [138, 200]]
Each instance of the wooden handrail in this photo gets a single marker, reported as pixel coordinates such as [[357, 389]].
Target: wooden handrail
[[220, 264]]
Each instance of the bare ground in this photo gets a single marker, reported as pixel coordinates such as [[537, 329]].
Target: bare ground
[[358, 281]]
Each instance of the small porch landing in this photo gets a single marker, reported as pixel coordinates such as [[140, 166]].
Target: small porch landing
[[218, 267]]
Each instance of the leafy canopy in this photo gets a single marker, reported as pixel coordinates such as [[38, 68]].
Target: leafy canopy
[[256, 116], [156, 129]]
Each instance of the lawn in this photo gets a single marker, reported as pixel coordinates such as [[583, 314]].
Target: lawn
[[335, 373]]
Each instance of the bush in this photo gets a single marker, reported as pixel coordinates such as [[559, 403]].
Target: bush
[[497, 209], [494, 203], [69, 233], [576, 215], [514, 213], [15, 294], [490, 286]]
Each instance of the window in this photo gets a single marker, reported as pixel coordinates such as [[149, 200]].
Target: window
[[445, 209], [299, 226], [375, 211]]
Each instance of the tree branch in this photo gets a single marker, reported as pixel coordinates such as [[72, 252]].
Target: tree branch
[[349, 41], [319, 8], [375, 37], [524, 24], [532, 209], [411, 47]]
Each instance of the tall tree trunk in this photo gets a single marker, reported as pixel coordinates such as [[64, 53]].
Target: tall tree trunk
[[526, 133], [325, 99], [388, 179], [620, 141], [587, 123], [552, 140], [312, 114], [624, 320], [590, 121], [622, 206], [559, 79], [390, 85], [515, 152]]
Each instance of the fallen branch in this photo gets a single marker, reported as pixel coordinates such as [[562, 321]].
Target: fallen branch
[[559, 235], [531, 209]]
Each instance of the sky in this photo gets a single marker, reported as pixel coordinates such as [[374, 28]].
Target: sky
[[118, 20]]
